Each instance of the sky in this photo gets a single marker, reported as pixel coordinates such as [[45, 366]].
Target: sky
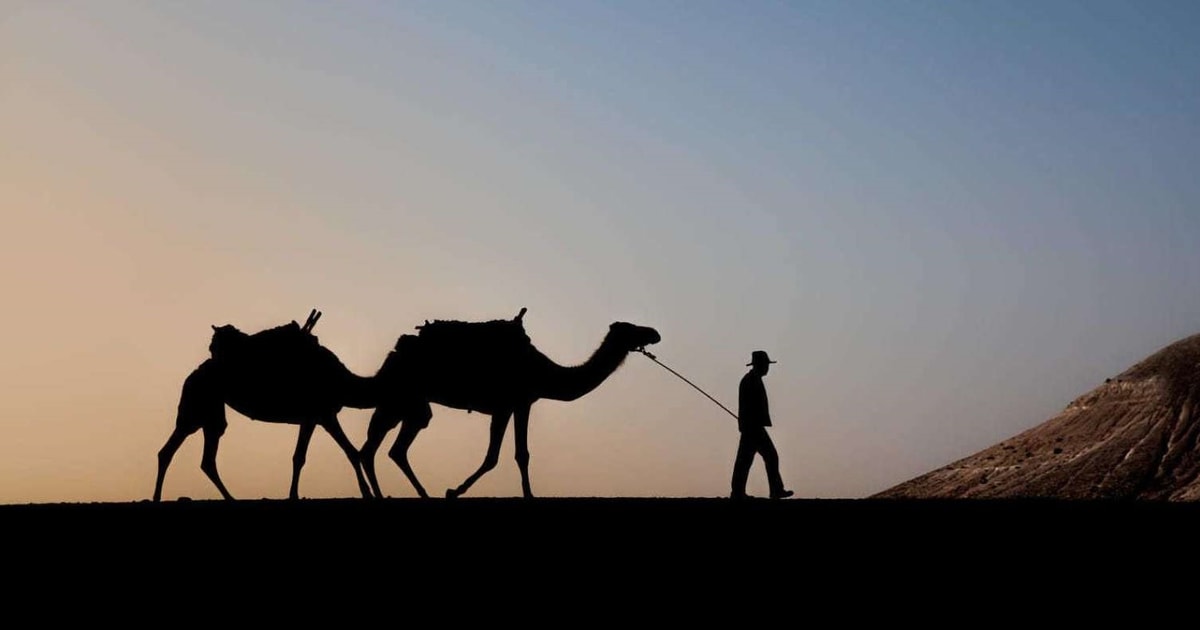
[[944, 220]]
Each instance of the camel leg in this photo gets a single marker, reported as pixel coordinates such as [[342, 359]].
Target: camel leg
[[167, 453], [306, 431], [521, 436], [334, 428], [200, 406], [382, 421], [212, 437], [399, 453], [499, 424]]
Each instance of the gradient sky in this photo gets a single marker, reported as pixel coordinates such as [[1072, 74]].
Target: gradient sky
[[945, 220]]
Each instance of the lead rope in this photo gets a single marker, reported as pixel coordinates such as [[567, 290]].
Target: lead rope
[[655, 359]]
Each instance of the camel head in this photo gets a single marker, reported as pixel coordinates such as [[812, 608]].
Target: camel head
[[630, 337]]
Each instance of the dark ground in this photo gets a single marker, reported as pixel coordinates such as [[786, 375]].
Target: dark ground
[[604, 554]]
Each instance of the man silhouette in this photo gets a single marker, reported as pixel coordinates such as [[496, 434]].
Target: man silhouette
[[753, 420]]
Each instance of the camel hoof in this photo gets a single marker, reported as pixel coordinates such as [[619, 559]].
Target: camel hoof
[[451, 493]]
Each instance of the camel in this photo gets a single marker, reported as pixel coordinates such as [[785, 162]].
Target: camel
[[488, 367], [280, 375]]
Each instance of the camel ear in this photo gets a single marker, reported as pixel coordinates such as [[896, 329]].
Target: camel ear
[[214, 326]]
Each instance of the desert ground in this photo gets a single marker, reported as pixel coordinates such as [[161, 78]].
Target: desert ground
[[570, 538]]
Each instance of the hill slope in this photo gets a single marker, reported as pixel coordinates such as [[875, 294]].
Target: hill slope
[[1134, 437]]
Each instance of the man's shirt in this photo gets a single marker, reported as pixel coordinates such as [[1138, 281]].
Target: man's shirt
[[752, 403]]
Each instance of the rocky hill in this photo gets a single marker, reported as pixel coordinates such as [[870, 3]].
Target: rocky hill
[[1133, 437]]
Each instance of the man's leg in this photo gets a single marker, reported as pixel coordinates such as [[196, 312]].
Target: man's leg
[[741, 466], [770, 456]]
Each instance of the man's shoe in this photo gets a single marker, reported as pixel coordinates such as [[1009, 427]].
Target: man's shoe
[[782, 494]]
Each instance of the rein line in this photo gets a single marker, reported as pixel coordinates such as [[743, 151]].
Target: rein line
[[681, 377]]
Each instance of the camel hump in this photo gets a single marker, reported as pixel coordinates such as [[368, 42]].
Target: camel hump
[[489, 342], [285, 336], [498, 333], [288, 347]]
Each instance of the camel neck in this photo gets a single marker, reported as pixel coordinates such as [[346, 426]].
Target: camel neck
[[570, 383]]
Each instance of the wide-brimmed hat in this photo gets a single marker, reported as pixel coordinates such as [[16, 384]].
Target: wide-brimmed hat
[[759, 356]]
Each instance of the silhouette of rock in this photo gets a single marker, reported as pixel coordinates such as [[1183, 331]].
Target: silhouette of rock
[[1133, 437]]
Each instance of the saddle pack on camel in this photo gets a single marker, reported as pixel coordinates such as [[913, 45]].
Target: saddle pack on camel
[[446, 349], [287, 348], [475, 341]]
